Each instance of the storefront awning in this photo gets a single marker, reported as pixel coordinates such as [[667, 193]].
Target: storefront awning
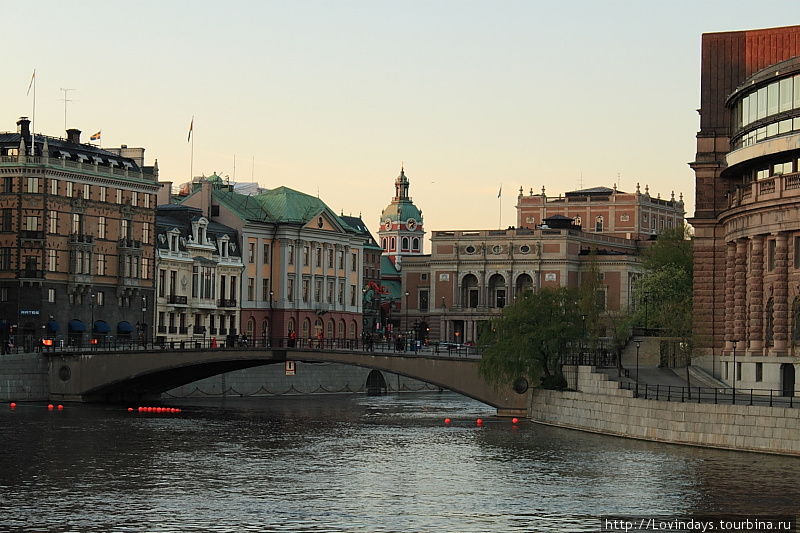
[[76, 326], [5, 324], [52, 325], [101, 326], [124, 327]]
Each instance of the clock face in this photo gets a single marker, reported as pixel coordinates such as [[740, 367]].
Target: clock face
[[411, 224], [388, 223]]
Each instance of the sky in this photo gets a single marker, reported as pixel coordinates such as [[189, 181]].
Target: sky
[[332, 97]]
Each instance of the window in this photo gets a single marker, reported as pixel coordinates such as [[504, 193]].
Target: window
[[423, 300], [598, 224], [329, 295], [70, 192], [86, 190], [330, 257], [305, 290], [33, 185], [53, 222], [103, 194], [162, 282], [51, 296], [318, 290], [290, 253], [101, 227], [119, 196], [354, 259], [51, 260], [771, 245], [340, 256], [101, 298], [8, 184], [31, 223], [759, 371], [340, 297], [266, 253], [147, 200], [145, 268], [306, 252], [251, 252], [251, 289], [352, 295], [318, 256], [7, 218], [146, 232], [134, 198], [77, 223], [404, 244], [290, 289], [125, 229], [54, 187], [5, 258], [415, 244]]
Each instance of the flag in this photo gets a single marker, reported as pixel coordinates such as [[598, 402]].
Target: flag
[[191, 127], [31, 83], [500, 192], [96, 136]]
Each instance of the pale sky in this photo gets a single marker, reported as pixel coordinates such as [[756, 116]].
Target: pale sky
[[330, 97]]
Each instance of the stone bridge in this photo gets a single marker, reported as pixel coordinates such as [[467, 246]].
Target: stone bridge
[[135, 375]]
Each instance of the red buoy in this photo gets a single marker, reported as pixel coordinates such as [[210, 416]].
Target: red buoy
[[446, 420], [479, 422], [60, 407], [13, 405], [514, 420], [50, 407]]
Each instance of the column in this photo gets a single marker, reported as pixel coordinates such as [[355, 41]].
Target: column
[[730, 283], [755, 291], [740, 291], [781, 293]]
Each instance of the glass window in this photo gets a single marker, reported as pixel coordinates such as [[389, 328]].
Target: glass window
[[784, 126], [772, 98], [762, 103], [786, 93], [251, 252], [33, 184], [86, 190], [745, 117], [54, 187], [266, 254], [797, 91], [70, 186], [53, 222], [103, 193], [101, 227], [753, 98]]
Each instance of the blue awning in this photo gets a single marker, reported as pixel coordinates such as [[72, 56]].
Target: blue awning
[[5, 324], [52, 325], [76, 326], [101, 326], [124, 327]]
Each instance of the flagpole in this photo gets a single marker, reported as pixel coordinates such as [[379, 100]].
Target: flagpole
[[191, 164], [500, 218], [33, 114]]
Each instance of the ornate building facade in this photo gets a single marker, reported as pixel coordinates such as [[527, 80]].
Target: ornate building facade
[[302, 263], [77, 247], [470, 276], [747, 217], [199, 272]]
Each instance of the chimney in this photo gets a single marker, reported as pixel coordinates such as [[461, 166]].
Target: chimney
[[74, 136], [24, 128]]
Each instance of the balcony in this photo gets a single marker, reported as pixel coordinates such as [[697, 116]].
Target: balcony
[[199, 330], [130, 243], [79, 238], [223, 331], [212, 331], [162, 329], [183, 330], [31, 235], [174, 299], [226, 302], [30, 274], [173, 330]]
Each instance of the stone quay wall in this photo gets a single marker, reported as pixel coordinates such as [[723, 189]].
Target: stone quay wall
[[24, 377], [599, 406]]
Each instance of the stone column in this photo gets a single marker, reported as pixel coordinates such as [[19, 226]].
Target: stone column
[[740, 291], [730, 284], [781, 293], [755, 291]]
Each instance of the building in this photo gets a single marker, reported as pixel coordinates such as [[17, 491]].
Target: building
[[747, 217], [469, 276], [77, 241], [198, 283], [373, 291], [303, 273]]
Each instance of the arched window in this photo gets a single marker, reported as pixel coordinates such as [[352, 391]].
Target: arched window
[[318, 328], [353, 329], [306, 328], [265, 332], [524, 283], [497, 291], [393, 244], [341, 329], [404, 245], [469, 291], [290, 325], [415, 244], [251, 327], [383, 243], [598, 224], [329, 333]]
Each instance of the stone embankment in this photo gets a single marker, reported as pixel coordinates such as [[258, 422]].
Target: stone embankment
[[599, 405], [24, 377]]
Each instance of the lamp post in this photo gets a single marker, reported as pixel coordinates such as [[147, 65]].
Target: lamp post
[[646, 322], [583, 333], [144, 323], [638, 344], [734, 342], [406, 328]]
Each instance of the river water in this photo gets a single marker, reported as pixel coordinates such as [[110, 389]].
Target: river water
[[352, 463]]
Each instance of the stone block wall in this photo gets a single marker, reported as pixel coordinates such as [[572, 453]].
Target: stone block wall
[[24, 377], [601, 407]]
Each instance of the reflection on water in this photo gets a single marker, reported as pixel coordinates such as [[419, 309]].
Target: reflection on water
[[354, 463]]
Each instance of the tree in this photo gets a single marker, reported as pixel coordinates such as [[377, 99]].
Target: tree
[[527, 339]]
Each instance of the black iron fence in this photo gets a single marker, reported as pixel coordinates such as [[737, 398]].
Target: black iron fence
[[715, 395]]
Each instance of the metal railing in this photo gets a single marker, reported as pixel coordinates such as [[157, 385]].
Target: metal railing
[[715, 395]]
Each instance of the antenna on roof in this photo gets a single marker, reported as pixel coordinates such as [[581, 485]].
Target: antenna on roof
[[65, 105]]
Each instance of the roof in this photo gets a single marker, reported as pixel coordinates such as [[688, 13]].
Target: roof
[[357, 223], [600, 191]]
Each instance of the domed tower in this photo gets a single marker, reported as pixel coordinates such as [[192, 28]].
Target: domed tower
[[401, 230]]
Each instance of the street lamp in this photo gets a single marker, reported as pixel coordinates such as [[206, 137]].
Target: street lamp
[[91, 331], [144, 324], [733, 342], [583, 333], [406, 328], [638, 344]]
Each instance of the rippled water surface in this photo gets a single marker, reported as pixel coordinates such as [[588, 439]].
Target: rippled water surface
[[348, 463]]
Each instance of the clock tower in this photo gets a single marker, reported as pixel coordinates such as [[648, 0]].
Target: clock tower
[[401, 232]]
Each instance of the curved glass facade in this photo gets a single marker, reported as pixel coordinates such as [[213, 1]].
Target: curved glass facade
[[767, 111]]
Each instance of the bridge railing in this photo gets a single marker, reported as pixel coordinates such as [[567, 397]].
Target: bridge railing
[[110, 344]]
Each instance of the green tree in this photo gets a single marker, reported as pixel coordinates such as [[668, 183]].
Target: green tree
[[528, 338]]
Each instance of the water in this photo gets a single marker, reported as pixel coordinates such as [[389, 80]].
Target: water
[[349, 463]]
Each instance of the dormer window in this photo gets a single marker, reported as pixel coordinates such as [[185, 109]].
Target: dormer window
[[173, 237], [222, 243]]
